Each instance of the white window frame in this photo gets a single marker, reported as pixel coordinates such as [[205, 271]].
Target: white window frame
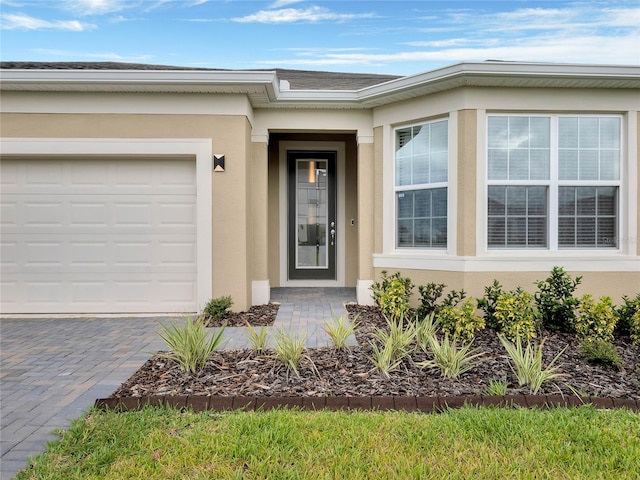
[[422, 186], [553, 185]]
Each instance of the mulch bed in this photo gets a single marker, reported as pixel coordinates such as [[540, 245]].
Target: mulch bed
[[256, 316], [327, 373]]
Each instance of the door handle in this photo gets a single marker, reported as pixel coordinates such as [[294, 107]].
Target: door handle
[[332, 232]]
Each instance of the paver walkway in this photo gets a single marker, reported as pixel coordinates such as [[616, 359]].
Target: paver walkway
[[53, 369]]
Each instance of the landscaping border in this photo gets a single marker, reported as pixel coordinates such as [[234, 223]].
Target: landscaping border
[[199, 403]]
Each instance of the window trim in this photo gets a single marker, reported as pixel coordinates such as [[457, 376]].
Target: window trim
[[553, 184]]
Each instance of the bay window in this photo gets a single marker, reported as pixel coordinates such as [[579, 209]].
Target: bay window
[[553, 181], [421, 175]]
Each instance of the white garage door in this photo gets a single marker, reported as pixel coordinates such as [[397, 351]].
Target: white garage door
[[89, 235]]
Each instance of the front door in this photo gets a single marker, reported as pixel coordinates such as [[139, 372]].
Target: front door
[[312, 222]]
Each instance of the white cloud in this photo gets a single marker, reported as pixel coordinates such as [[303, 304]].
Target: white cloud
[[25, 22], [579, 49], [96, 7], [292, 15], [283, 3], [110, 57]]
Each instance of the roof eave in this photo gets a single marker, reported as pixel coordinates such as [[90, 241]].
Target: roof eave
[[264, 92]]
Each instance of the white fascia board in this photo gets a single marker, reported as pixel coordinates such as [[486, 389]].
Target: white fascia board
[[500, 69], [140, 77]]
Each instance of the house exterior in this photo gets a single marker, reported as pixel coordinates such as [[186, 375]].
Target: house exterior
[[138, 188]]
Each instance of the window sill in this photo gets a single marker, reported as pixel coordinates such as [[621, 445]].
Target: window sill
[[510, 261]]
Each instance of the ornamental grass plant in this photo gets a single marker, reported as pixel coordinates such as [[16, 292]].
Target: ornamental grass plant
[[451, 360], [288, 348], [339, 330], [257, 338], [190, 345], [526, 364]]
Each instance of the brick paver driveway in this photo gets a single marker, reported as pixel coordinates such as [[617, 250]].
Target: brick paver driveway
[[53, 369]]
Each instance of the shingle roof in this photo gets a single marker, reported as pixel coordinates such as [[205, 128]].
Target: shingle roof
[[298, 79]]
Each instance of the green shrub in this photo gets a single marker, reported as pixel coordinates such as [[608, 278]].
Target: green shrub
[[488, 303], [429, 295], [454, 297], [218, 308], [526, 364], [600, 352], [595, 320], [189, 345], [515, 315], [392, 294], [556, 302], [629, 318], [461, 322]]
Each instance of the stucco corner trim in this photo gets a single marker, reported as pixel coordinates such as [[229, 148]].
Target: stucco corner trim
[[260, 292], [364, 295]]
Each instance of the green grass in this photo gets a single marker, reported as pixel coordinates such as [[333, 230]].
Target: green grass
[[459, 444]]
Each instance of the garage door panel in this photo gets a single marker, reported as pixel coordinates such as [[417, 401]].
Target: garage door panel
[[108, 236], [83, 253], [115, 293], [98, 214]]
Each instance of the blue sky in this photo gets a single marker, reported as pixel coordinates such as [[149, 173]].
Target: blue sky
[[394, 37]]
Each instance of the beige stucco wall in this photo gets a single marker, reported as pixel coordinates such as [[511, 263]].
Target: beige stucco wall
[[466, 182], [613, 284], [232, 245], [638, 183]]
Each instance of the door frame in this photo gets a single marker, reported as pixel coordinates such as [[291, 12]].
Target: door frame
[[339, 148]]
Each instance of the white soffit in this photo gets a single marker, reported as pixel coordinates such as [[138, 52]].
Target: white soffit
[[262, 88]]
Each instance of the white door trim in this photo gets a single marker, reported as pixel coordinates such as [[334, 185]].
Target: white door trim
[[339, 147], [201, 148]]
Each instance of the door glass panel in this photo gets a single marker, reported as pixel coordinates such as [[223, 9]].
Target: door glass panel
[[311, 214]]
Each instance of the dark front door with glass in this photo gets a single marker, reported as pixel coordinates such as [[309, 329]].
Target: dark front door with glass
[[312, 226]]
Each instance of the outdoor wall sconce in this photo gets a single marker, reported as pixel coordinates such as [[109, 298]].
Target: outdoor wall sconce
[[218, 163]]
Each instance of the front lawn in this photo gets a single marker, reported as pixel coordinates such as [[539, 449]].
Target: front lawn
[[161, 443]]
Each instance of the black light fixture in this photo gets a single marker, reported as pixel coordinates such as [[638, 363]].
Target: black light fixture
[[218, 162]]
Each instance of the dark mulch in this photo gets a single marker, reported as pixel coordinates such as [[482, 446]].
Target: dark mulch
[[256, 316], [327, 372]]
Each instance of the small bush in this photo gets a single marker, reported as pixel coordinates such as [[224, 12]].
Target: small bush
[[515, 315], [189, 345], [454, 298], [629, 318], [429, 295], [384, 358], [218, 308], [461, 322], [600, 352], [392, 294], [556, 302], [488, 303], [595, 320]]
